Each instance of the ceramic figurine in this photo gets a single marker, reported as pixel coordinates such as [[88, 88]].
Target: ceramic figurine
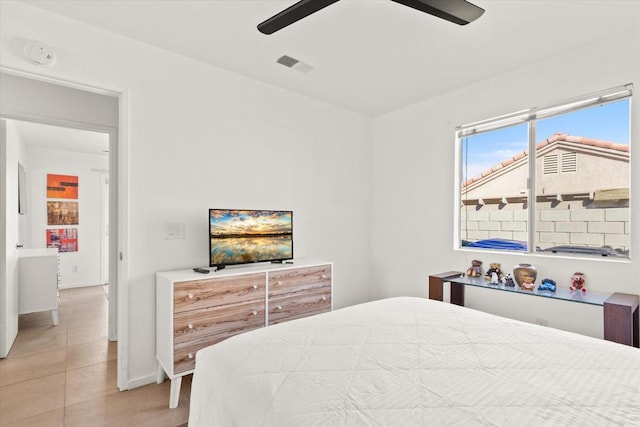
[[476, 269], [578, 282], [528, 284], [547, 285], [494, 267], [494, 278], [508, 280]]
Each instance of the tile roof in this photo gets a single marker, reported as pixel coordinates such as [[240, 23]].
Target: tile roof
[[558, 136]]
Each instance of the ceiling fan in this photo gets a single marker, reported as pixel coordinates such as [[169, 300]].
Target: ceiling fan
[[460, 12]]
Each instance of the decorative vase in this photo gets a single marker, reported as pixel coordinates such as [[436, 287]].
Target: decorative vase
[[521, 271]]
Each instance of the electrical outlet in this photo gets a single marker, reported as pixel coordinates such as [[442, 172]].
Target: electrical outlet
[[542, 322]]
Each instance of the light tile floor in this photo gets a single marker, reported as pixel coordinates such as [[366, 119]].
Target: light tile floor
[[65, 375]]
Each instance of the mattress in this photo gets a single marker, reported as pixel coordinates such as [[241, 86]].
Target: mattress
[[414, 362]]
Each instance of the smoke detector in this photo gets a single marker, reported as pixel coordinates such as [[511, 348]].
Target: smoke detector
[[39, 53]]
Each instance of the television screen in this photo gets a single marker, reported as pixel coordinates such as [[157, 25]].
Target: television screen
[[243, 236]]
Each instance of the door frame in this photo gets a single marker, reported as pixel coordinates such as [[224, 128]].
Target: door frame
[[104, 227], [118, 205]]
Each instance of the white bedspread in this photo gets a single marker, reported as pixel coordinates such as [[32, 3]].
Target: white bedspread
[[414, 362]]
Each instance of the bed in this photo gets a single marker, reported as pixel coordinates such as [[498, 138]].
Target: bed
[[410, 362]]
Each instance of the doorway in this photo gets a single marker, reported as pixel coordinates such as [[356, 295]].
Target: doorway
[[33, 100], [78, 159], [50, 154]]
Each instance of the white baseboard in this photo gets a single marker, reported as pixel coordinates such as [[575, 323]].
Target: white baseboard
[[78, 285], [142, 381]]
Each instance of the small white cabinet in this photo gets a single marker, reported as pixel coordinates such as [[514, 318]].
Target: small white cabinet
[[38, 281]]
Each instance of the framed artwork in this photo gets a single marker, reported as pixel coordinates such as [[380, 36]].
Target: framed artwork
[[62, 186], [62, 213], [65, 239]]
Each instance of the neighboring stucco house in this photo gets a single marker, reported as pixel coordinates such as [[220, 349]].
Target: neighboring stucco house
[[582, 196]]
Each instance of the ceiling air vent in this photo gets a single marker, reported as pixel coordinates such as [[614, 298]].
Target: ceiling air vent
[[290, 62], [287, 61]]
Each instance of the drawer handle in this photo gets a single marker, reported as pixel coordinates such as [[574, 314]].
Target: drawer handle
[[324, 276], [190, 355], [278, 283], [279, 307], [324, 298], [191, 295], [190, 325], [254, 312], [255, 286]]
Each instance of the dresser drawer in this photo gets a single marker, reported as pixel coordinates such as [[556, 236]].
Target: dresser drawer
[[197, 329], [299, 279], [205, 293], [298, 305], [225, 319], [184, 355]]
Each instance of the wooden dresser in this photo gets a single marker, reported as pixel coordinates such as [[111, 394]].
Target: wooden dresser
[[195, 310]]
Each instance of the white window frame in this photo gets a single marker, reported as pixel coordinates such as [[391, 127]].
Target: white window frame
[[529, 116]]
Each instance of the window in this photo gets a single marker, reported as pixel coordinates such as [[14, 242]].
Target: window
[[552, 179]]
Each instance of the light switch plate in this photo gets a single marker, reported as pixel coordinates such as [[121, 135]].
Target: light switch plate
[[173, 230]]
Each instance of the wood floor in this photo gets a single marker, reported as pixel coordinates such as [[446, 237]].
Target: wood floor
[[65, 375]]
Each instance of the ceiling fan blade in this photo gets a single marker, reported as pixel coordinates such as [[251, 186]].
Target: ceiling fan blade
[[292, 14], [458, 11]]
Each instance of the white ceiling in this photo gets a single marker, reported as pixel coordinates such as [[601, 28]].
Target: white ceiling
[[62, 138], [370, 56]]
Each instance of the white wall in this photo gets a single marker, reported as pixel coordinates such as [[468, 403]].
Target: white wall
[[199, 137], [87, 259], [413, 180]]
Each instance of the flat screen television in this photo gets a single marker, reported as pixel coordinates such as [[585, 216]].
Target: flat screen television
[[241, 236]]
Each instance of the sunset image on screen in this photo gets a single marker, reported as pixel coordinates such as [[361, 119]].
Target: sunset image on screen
[[242, 236]]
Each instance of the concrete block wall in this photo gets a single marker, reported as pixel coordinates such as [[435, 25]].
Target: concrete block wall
[[557, 224], [493, 221]]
